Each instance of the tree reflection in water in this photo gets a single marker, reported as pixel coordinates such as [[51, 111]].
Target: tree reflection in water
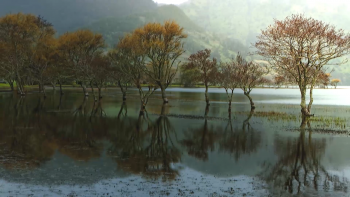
[[199, 141], [240, 141], [299, 165], [147, 148], [30, 137]]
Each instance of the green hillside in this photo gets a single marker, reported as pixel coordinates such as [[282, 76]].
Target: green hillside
[[222, 47]]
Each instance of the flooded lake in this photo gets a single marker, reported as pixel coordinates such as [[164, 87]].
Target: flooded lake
[[71, 145]]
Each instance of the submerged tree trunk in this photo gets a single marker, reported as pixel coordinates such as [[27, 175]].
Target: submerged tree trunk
[[61, 91], [43, 89], [11, 85], [206, 111], [53, 86], [311, 99], [123, 90], [92, 90], [143, 108], [99, 92], [84, 89], [229, 98], [304, 109], [165, 99], [252, 105], [206, 94]]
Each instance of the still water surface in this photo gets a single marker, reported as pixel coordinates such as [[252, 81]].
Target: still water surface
[[68, 145]]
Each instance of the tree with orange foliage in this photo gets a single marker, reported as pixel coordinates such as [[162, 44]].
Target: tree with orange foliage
[[129, 57], [44, 53], [162, 45], [206, 69], [335, 82], [101, 67], [78, 49], [300, 48], [323, 79], [22, 35]]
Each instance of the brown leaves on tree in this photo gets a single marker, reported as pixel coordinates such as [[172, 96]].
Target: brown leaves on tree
[[299, 48]]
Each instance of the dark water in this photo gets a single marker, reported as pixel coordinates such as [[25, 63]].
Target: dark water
[[69, 145]]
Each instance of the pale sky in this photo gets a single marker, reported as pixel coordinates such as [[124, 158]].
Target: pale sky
[[170, 1]]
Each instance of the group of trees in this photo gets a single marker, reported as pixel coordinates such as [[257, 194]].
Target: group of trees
[[297, 48], [31, 54], [237, 73]]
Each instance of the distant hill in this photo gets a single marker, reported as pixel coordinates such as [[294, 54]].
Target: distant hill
[[115, 27], [66, 15], [244, 20]]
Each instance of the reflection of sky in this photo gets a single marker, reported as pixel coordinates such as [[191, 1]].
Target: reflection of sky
[[189, 181], [339, 96]]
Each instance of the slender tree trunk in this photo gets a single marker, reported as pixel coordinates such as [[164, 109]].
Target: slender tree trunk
[[311, 99], [206, 94], [99, 92], [44, 91], [60, 104], [84, 89], [11, 85], [143, 108], [53, 85], [123, 90], [61, 91], [206, 111], [252, 105], [304, 110], [165, 99], [92, 90], [40, 87]]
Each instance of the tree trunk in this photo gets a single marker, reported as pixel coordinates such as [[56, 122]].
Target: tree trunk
[[84, 89], [92, 90], [61, 92], [143, 108], [11, 85], [165, 99], [311, 99], [206, 94], [53, 85], [252, 105], [206, 111], [124, 96], [304, 110], [43, 89], [123, 90], [99, 92]]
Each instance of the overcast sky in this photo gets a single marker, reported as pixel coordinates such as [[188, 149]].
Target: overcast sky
[[170, 1]]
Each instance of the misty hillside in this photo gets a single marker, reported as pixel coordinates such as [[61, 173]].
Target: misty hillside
[[243, 20], [115, 27], [66, 15]]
